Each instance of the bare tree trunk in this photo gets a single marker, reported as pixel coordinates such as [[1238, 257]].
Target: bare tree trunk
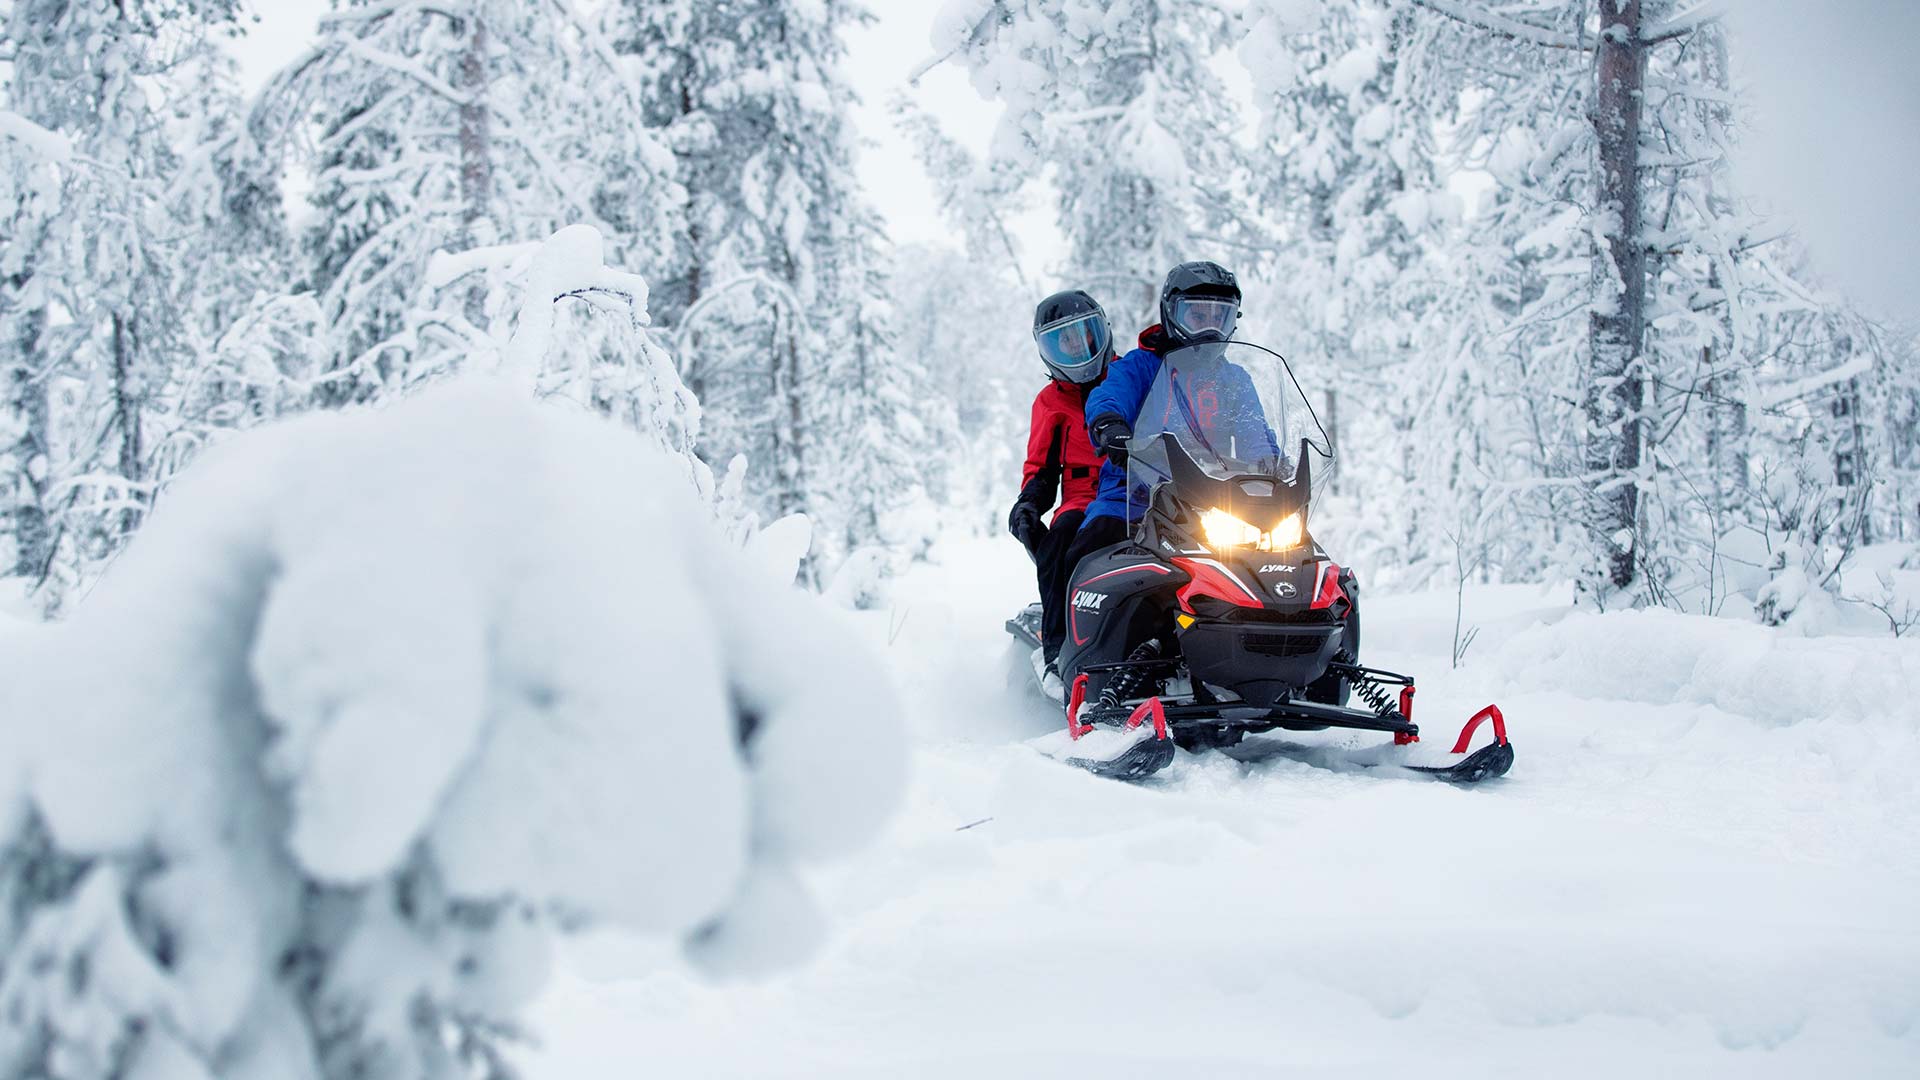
[[1726, 438], [789, 417], [26, 410], [1726, 404], [1333, 437], [1616, 386], [128, 406], [476, 151]]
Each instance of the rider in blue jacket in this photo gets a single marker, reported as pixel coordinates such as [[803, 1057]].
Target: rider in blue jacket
[[1199, 305]]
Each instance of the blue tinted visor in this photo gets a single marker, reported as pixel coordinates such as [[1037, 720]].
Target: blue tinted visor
[[1075, 349], [1200, 318]]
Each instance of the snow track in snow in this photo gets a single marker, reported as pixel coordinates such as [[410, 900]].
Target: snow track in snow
[[1697, 881]]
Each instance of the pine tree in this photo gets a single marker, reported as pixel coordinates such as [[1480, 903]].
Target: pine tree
[[441, 127], [1643, 341], [94, 311], [1119, 103], [775, 296]]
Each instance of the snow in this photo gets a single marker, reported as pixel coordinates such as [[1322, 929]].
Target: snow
[[1701, 865], [1354, 70], [50, 145], [466, 646]]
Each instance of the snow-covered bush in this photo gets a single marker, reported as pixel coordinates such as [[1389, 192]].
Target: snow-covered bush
[[375, 703]]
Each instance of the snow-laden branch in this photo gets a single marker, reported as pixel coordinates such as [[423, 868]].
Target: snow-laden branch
[[50, 145], [571, 263], [375, 12], [446, 267], [755, 280], [1774, 396], [1503, 25], [1686, 22], [412, 69]]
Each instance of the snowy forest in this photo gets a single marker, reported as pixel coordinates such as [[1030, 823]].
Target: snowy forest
[[1693, 420], [378, 431]]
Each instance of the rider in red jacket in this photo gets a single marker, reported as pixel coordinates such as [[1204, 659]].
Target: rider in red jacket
[[1076, 344]]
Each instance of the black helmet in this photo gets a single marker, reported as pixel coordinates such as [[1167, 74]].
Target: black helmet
[[1074, 339], [1199, 302]]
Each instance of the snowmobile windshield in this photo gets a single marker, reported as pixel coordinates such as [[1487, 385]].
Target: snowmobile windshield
[[1234, 408], [1075, 350]]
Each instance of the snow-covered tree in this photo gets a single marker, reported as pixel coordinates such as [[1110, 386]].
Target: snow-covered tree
[[96, 311], [438, 127], [392, 706], [974, 200], [776, 305], [1118, 104], [1627, 316], [249, 341], [969, 320]]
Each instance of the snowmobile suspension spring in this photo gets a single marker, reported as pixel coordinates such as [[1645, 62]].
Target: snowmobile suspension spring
[[1129, 679], [1375, 695]]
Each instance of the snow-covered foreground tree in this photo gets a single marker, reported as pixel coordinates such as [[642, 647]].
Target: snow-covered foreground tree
[[378, 701]]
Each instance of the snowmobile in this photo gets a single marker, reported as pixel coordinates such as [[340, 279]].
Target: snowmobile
[[1221, 616]]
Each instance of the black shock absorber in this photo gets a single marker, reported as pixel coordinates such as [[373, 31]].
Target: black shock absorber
[[1375, 695], [1129, 679]]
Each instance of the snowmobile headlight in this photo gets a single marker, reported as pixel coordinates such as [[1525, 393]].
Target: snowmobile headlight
[[1226, 531], [1288, 534], [1223, 530]]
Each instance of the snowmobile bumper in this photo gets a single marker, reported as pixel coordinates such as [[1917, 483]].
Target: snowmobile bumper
[[1291, 715]]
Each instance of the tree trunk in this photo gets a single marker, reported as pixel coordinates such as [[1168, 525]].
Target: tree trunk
[[476, 153], [1726, 439], [1333, 438], [1616, 384], [26, 408], [128, 407]]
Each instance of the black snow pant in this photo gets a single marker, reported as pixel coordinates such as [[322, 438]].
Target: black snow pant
[[1093, 534], [1053, 569]]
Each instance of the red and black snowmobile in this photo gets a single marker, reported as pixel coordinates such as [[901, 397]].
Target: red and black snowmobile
[[1221, 617]]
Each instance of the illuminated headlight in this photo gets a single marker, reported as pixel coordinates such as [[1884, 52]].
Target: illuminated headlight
[[1287, 535], [1223, 530]]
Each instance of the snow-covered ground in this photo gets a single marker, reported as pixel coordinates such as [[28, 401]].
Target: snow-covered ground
[[1703, 863]]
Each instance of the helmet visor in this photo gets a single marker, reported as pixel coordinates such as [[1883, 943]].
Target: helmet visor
[[1200, 317], [1075, 349]]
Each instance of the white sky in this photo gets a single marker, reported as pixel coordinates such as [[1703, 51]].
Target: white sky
[[879, 59]]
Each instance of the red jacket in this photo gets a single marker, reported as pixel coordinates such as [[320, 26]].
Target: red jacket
[[1060, 455]]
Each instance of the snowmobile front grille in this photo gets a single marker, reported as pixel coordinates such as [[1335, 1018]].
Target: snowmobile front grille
[[1283, 645]]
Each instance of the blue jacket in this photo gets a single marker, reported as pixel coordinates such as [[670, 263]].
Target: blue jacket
[[1129, 381]]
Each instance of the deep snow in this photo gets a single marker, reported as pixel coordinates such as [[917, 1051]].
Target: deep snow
[[1702, 864]]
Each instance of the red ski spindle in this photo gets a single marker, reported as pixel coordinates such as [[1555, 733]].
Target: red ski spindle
[[1075, 728], [1491, 712], [1405, 738], [1150, 707]]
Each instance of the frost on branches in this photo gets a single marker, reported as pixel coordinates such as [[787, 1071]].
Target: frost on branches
[[102, 261], [1119, 103], [1616, 368], [376, 703], [774, 293]]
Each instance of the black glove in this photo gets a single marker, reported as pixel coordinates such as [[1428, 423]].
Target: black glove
[[1111, 436], [1024, 523]]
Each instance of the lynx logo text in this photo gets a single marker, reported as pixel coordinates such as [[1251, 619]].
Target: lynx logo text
[[1088, 601]]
